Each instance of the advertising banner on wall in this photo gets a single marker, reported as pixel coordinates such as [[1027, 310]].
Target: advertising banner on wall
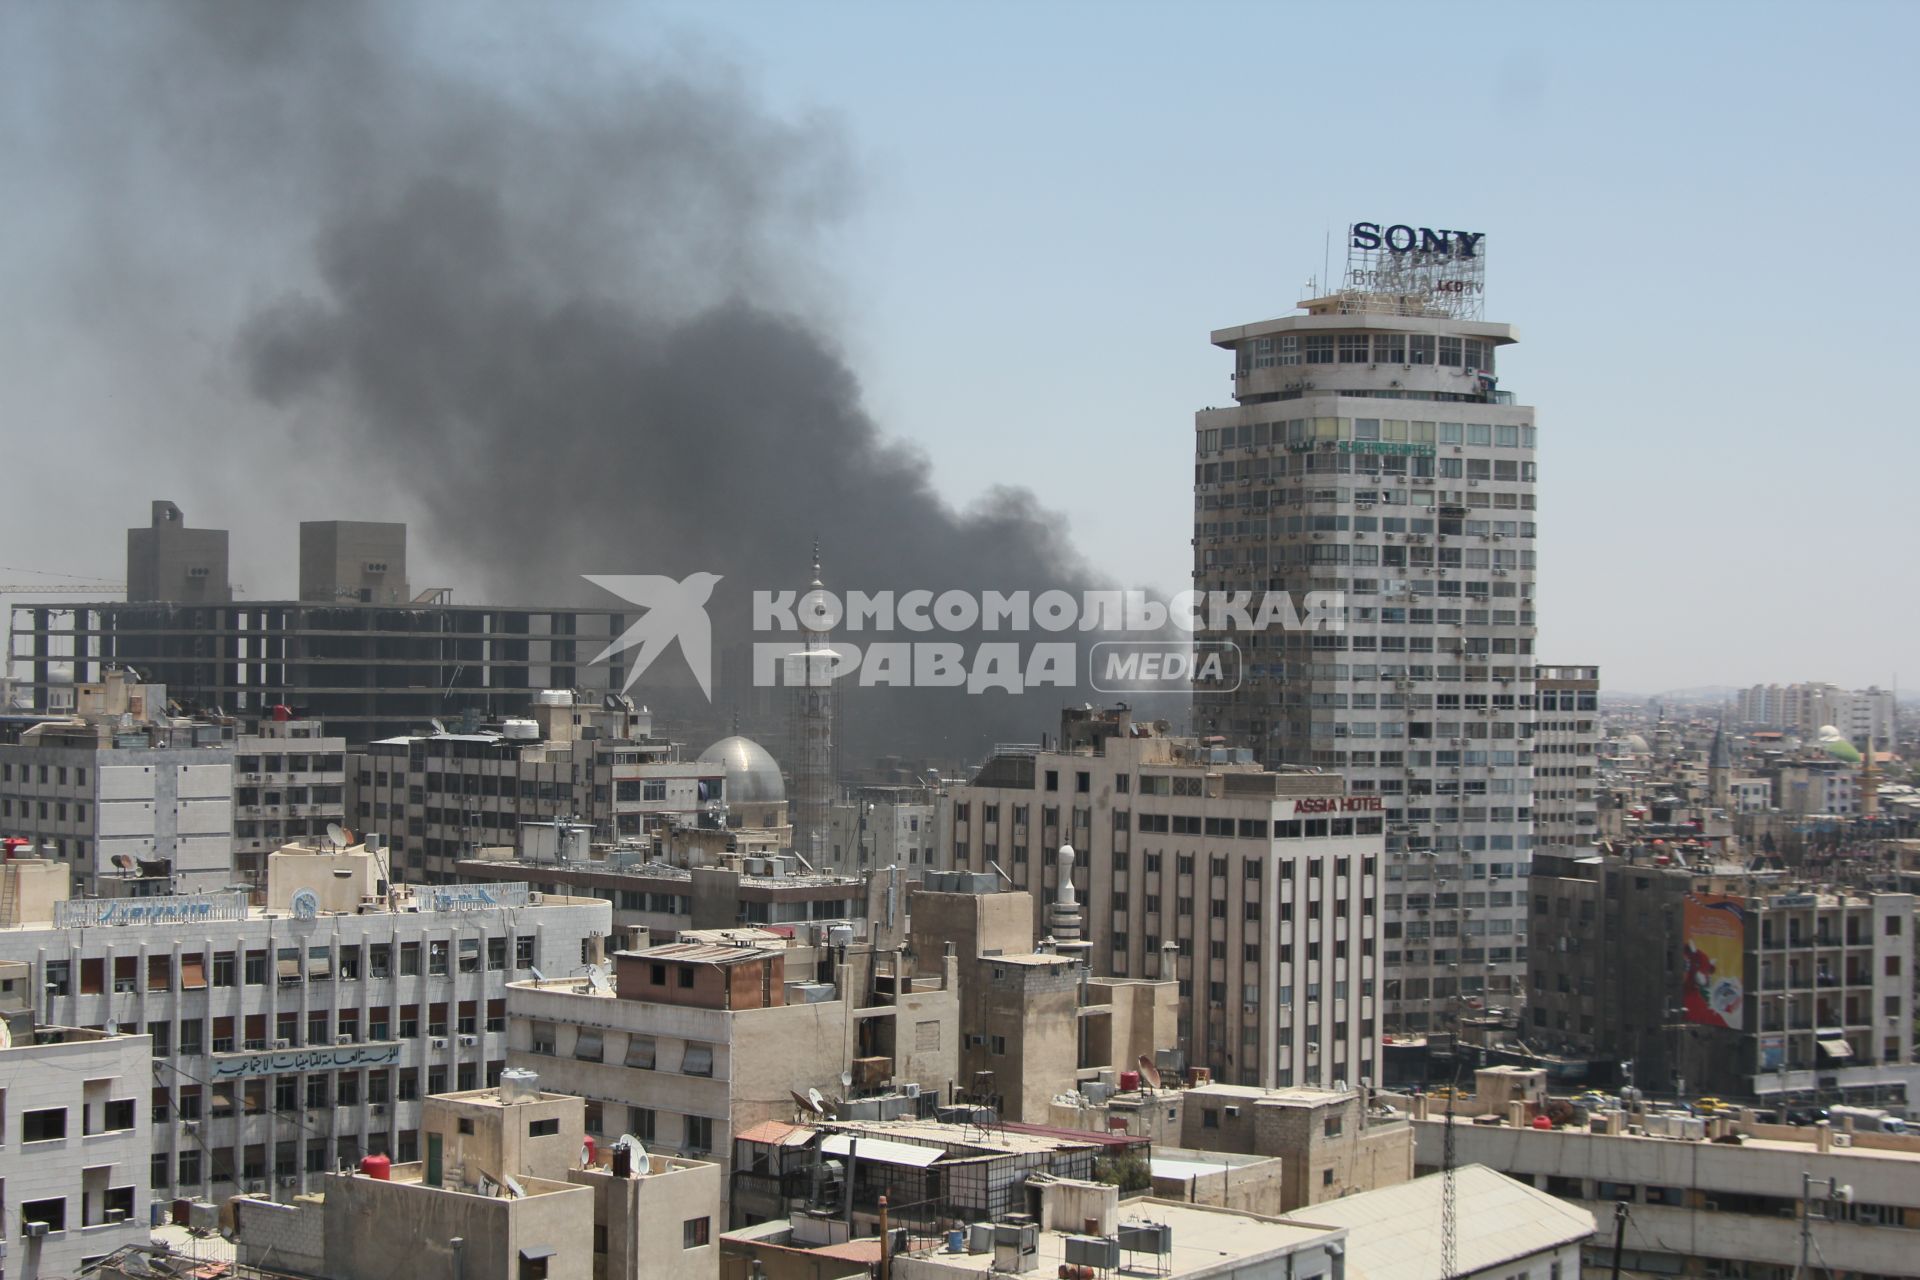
[[1713, 987]]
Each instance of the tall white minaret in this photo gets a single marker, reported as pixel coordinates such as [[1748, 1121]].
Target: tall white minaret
[[1063, 913], [810, 681]]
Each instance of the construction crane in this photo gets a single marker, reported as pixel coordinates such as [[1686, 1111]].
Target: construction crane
[[60, 584]]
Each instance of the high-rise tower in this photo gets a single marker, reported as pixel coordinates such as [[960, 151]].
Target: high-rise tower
[[1369, 452]]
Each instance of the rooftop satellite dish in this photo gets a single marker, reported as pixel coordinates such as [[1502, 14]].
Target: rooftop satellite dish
[[816, 1102], [113, 1027], [597, 980], [1149, 1072], [336, 835], [846, 1079], [513, 1185], [801, 1102], [124, 861], [438, 727], [537, 975]]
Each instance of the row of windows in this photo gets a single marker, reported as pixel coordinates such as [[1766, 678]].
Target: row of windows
[[1263, 469], [290, 965], [1359, 348], [1299, 431], [26, 774]]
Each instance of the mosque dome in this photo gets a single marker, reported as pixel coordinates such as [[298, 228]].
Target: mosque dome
[[1840, 749], [1634, 744], [753, 775]]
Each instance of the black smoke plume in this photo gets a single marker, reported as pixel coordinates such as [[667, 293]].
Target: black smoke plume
[[566, 300]]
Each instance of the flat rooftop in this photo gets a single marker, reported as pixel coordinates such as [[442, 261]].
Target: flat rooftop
[[1204, 1240], [960, 1140]]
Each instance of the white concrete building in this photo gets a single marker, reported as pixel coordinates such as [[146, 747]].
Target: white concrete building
[[151, 797], [1264, 888], [1703, 1208], [882, 826], [289, 784], [1368, 453], [1566, 747], [74, 1143], [291, 1038]]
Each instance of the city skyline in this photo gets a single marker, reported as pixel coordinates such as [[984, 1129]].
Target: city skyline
[[1723, 186]]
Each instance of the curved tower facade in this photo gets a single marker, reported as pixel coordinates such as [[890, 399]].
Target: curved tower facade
[[1370, 452]]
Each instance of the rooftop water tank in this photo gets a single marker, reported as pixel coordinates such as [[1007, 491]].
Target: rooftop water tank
[[520, 730], [553, 698], [517, 1084]]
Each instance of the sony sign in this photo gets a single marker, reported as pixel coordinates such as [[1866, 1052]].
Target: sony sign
[[1401, 238]]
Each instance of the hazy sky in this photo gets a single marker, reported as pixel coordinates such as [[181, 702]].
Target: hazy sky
[[1700, 217]]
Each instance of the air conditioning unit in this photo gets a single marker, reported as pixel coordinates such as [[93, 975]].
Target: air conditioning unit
[[343, 1038], [469, 1040], [283, 1044], [189, 1126], [437, 1042], [378, 1108], [34, 1230]]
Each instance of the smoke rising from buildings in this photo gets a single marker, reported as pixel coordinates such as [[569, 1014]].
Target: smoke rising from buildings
[[562, 301]]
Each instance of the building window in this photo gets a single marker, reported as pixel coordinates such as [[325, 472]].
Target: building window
[[51, 1212], [1353, 348], [696, 1233], [546, 1128], [48, 1125]]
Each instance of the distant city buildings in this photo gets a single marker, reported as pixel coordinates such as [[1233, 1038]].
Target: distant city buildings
[[1859, 715]]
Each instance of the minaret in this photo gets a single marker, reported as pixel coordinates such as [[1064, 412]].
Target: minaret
[[1063, 914], [810, 680], [1720, 769], [1869, 782]]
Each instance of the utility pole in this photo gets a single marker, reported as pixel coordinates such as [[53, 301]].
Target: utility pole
[[1836, 1192], [1619, 1234]]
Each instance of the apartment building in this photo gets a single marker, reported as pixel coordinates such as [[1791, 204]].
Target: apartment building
[[875, 825], [685, 879], [441, 796], [122, 790], [1566, 749], [616, 1214], [690, 1043], [290, 1038], [1037, 1023], [289, 784], [1728, 980], [1267, 885], [1330, 1142], [75, 1135]]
